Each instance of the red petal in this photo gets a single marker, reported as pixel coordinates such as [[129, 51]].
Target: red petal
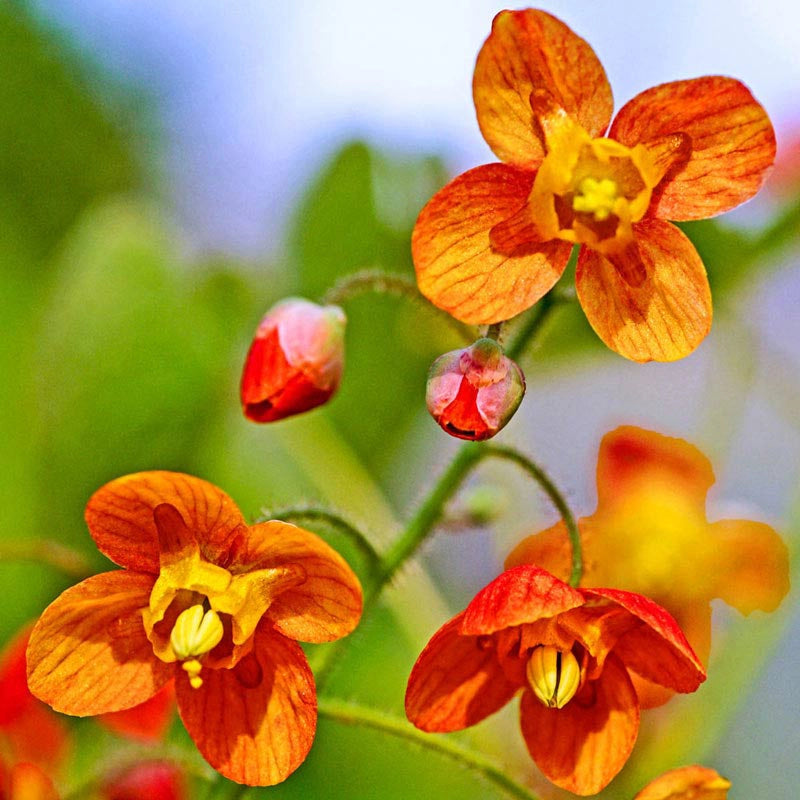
[[582, 746], [667, 315], [88, 653], [732, 143], [456, 682], [254, 723], [120, 517], [149, 780], [459, 269], [656, 650], [148, 721], [28, 782], [15, 697], [531, 51], [524, 594], [37, 736]]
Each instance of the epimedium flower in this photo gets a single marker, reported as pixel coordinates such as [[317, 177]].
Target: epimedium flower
[[295, 362], [570, 652], [650, 534], [687, 783], [472, 393], [206, 600], [498, 237]]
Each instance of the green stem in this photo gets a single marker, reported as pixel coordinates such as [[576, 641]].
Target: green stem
[[350, 714], [378, 281], [541, 477], [494, 331], [45, 551]]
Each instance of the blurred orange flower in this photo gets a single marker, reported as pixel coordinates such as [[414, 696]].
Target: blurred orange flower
[[687, 783], [571, 652], [209, 601], [650, 534], [498, 237]]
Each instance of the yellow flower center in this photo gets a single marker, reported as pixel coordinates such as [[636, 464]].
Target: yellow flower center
[[195, 632], [554, 675], [596, 197]]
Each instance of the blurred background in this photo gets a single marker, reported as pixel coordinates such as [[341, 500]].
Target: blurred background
[[167, 174]]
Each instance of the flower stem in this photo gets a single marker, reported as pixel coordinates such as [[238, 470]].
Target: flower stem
[[45, 551], [541, 477], [351, 714]]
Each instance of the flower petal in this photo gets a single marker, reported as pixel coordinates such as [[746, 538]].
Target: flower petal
[[527, 51], [664, 318], [733, 143], [458, 267], [456, 682], [88, 653], [752, 566], [37, 736], [120, 517], [254, 723], [524, 594], [657, 649], [327, 603], [13, 679], [583, 745], [28, 782], [549, 549], [687, 783], [148, 721]]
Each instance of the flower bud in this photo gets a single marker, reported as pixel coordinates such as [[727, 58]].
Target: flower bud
[[472, 393], [155, 780], [295, 361]]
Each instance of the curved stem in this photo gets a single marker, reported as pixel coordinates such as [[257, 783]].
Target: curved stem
[[376, 280], [541, 477], [350, 714], [315, 513], [45, 551]]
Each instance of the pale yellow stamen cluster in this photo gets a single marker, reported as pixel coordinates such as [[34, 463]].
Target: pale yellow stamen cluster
[[196, 632], [596, 197], [554, 675]]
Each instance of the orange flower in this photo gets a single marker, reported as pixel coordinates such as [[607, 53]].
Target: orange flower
[[650, 534], [570, 651], [25, 781], [209, 601], [686, 783], [498, 237]]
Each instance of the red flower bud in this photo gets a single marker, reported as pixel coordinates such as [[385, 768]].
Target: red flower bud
[[295, 361], [473, 393], [154, 780]]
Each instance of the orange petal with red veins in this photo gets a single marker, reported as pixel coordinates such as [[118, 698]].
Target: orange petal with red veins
[[327, 604], [457, 681], [88, 653], [120, 517], [657, 649], [662, 319], [583, 745], [254, 723], [458, 267], [632, 458], [528, 51], [28, 782], [751, 566], [732, 143], [523, 594], [148, 721], [687, 783]]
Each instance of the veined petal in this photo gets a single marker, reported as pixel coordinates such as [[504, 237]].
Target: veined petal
[[524, 594], [326, 604], [459, 269], [752, 565], [657, 649], [732, 143], [662, 319], [631, 459], [254, 723], [148, 721], [120, 517], [583, 745], [687, 783], [457, 681], [88, 653], [527, 51]]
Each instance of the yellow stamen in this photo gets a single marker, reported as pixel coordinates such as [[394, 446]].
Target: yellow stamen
[[193, 668], [554, 675], [596, 197], [195, 632]]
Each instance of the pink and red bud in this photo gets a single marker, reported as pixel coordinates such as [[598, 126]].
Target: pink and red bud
[[472, 393], [295, 361]]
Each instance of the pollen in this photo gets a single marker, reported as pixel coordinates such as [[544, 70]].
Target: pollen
[[196, 631], [554, 675], [596, 197]]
